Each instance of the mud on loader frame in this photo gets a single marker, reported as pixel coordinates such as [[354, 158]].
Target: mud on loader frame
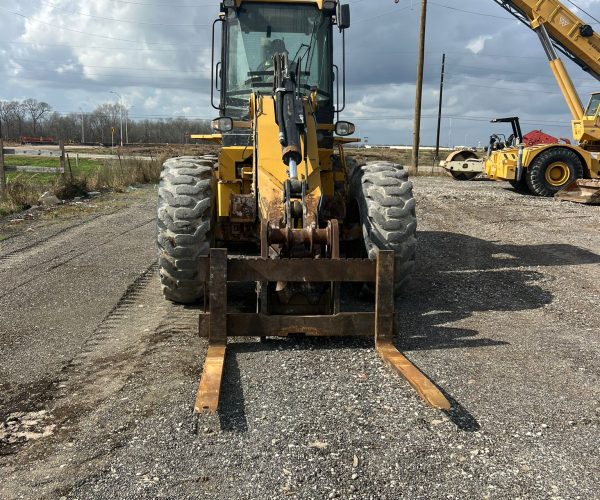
[[290, 195]]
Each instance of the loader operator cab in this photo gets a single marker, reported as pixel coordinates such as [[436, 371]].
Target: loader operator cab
[[253, 32]]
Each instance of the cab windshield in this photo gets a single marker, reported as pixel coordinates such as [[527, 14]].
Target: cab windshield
[[256, 31], [592, 108]]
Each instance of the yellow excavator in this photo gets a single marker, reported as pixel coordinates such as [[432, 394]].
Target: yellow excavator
[[282, 206], [570, 172]]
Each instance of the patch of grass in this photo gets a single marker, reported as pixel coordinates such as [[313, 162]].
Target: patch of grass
[[20, 195], [83, 166], [24, 188], [117, 175]]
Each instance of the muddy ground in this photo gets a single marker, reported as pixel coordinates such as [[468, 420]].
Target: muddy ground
[[98, 372]]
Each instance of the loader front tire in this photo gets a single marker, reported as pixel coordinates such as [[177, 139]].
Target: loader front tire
[[184, 225], [387, 214]]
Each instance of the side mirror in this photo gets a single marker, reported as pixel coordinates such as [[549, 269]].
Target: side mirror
[[343, 16], [344, 128], [222, 124]]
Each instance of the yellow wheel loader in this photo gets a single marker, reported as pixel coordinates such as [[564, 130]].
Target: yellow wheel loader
[[571, 172], [302, 216]]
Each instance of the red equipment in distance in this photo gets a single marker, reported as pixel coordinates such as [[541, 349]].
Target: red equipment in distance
[[536, 137]]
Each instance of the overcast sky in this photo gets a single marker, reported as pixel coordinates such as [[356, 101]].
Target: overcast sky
[[156, 54]]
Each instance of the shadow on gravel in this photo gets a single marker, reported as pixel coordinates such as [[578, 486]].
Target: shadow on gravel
[[232, 414], [458, 275], [459, 252]]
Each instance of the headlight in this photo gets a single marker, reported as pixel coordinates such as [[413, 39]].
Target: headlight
[[229, 4]]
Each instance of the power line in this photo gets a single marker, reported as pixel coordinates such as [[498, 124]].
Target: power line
[[529, 121], [111, 49], [126, 68], [478, 78], [191, 6], [81, 32], [471, 12], [79, 13], [380, 15], [350, 117], [586, 13]]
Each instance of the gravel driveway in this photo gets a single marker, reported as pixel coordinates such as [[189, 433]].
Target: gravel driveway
[[98, 372]]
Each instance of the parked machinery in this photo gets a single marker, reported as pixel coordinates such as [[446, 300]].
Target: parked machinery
[[549, 168]]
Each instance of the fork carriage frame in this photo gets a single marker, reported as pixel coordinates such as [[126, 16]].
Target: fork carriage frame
[[217, 324]]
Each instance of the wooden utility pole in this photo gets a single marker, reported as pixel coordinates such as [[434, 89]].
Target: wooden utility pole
[[439, 122], [61, 145], [2, 172], [419, 93]]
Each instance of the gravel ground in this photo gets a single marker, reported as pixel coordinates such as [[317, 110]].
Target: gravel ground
[[98, 373]]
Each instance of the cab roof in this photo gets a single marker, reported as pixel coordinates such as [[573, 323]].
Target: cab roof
[[319, 3]]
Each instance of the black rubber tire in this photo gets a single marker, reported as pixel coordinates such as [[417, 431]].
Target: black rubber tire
[[463, 176], [387, 214], [184, 225], [520, 186], [535, 174]]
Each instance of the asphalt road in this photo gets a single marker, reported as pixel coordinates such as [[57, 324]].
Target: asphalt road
[[98, 373]]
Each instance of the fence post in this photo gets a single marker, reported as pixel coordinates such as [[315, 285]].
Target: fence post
[[61, 145], [3, 192]]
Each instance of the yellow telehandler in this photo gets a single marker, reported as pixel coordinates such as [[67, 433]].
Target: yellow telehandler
[[283, 187]]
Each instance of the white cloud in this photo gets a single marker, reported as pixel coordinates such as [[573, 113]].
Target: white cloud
[[478, 44], [158, 58]]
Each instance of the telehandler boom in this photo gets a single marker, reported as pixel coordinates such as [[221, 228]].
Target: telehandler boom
[[547, 169], [306, 217]]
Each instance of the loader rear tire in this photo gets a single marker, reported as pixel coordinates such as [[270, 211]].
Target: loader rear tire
[[387, 214], [184, 225]]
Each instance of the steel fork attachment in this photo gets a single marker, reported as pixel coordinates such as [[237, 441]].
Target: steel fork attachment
[[217, 324]]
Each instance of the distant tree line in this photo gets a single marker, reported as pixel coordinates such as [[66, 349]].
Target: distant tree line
[[37, 118]]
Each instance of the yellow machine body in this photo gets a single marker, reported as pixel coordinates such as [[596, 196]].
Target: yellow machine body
[[282, 192], [501, 165], [237, 165]]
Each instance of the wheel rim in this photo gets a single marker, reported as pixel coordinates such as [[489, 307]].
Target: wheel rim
[[557, 173]]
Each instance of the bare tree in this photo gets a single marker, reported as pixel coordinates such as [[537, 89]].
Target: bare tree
[[19, 111], [6, 117], [36, 109]]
